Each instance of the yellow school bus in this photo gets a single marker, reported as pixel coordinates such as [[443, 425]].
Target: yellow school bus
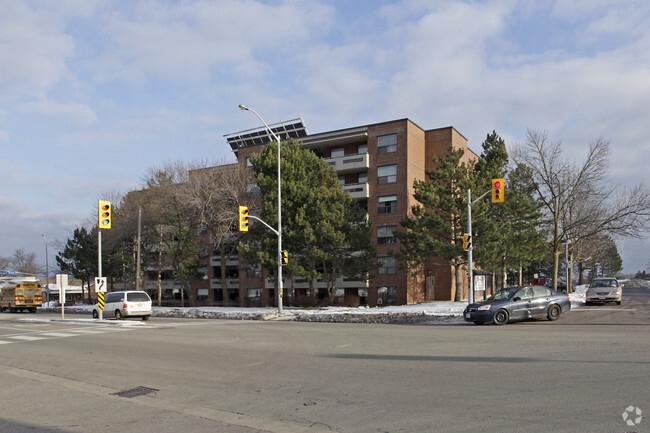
[[21, 297]]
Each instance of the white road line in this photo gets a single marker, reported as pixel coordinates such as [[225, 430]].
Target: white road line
[[26, 338], [59, 334]]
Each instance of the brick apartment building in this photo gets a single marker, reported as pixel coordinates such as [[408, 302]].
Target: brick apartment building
[[377, 165]]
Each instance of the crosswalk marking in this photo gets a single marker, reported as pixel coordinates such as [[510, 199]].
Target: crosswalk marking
[[65, 333], [26, 337], [59, 334]]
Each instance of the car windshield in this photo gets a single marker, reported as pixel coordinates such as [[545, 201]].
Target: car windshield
[[504, 294], [603, 283]]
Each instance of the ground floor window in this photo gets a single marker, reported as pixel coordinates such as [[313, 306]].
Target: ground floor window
[[387, 295], [202, 294]]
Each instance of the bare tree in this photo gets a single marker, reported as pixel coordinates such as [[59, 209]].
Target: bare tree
[[214, 192], [176, 223], [578, 199], [24, 262]]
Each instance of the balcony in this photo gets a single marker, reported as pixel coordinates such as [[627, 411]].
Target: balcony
[[231, 283], [357, 190], [216, 260], [349, 163], [303, 283]]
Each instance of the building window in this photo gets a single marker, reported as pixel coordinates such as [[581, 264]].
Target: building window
[[341, 179], [362, 177], [388, 265], [253, 190], [254, 293], [387, 174], [254, 272], [336, 152], [249, 164], [362, 148], [201, 294], [387, 204], [387, 295], [385, 235], [387, 143]]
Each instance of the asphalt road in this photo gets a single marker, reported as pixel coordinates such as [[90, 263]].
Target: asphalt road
[[578, 374]]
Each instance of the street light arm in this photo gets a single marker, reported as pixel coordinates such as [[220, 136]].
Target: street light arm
[[268, 128]]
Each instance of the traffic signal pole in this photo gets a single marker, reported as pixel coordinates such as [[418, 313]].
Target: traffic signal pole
[[498, 196], [470, 264]]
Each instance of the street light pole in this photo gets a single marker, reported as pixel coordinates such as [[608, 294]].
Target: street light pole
[[279, 258]]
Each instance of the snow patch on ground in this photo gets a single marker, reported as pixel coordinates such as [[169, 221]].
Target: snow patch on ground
[[432, 312]]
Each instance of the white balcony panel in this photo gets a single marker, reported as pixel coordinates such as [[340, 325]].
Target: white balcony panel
[[216, 261], [357, 190], [231, 283], [303, 283], [349, 163]]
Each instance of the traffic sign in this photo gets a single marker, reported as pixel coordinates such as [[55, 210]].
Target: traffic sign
[[100, 284]]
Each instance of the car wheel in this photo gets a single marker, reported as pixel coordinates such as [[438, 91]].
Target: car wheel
[[554, 312], [118, 315], [618, 302], [95, 314], [501, 317], [145, 318]]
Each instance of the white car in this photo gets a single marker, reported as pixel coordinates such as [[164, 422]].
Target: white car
[[604, 290], [131, 303]]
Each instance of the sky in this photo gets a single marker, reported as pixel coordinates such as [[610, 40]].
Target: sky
[[94, 93]]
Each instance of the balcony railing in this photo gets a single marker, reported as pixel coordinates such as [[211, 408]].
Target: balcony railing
[[357, 190], [349, 163], [303, 283], [216, 260], [231, 283]]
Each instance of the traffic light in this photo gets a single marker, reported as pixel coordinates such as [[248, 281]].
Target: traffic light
[[467, 242], [243, 218], [498, 190], [285, 257], [105, 214]]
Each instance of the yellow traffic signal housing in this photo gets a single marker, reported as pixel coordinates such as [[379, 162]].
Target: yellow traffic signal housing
[[467, 242], [498, 190], [105, 214], [285, 257], [243, 218]]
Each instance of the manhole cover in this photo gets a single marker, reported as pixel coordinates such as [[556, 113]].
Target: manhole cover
[[134, 392]]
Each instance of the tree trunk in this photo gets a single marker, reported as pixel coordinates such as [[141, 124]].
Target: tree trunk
[[459, 284], [224, 280]]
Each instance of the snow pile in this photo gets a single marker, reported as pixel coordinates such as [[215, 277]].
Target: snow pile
[[416, 313], [438, 312]]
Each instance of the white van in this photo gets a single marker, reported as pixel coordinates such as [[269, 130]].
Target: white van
[[119, 305]]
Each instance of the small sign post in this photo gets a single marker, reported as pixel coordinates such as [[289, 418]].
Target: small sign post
[[62, 282], [100, 288]]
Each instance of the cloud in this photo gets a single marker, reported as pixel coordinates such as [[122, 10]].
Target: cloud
[[195, 39], [34, 45], [78, 113]]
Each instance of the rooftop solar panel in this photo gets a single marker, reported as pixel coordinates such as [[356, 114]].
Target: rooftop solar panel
[[294, 128]]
